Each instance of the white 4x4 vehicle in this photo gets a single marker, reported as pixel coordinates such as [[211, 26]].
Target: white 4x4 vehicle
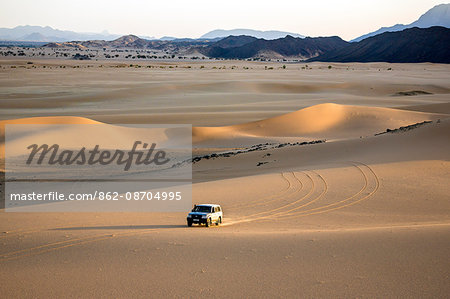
[[205, 213]]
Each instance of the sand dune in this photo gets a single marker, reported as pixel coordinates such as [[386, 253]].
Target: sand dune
[[72, 133], [427, 143], [38, 121], [324, 121]]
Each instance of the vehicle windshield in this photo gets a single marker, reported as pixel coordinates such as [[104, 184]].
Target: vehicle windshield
[[202, 209]]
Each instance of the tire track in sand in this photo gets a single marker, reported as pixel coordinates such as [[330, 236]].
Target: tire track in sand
[[370, 178], [346, 202], [253, 218], [261, 200], [371, 193], [333, 204]]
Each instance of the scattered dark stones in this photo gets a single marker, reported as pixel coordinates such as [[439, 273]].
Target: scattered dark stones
[[405, 128], [256, 147], [411, 93]]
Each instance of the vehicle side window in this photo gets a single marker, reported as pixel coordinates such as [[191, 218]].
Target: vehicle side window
[[216, 210]]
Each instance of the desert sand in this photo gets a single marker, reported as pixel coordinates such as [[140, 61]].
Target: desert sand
[[362, 214]]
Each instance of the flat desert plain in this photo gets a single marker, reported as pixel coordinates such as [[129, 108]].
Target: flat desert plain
[[361, 215]]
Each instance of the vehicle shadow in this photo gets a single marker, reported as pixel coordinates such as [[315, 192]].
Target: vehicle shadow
[[118, 227]]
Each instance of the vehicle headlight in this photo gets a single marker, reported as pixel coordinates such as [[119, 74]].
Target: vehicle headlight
[[189, 216], [204, 216]]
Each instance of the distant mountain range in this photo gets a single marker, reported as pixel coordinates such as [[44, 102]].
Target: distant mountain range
[[48, 34], [410, 45], [240, 47], [249, 32], [437, 16]]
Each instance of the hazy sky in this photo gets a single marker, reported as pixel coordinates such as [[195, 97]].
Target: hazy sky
[[346, 18]]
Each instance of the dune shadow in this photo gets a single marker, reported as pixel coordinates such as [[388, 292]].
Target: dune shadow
[[118, 227]]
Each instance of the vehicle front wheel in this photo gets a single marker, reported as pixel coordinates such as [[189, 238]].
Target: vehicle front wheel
[[189, 223], [208, 222]]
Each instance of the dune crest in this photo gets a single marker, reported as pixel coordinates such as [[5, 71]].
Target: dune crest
[[49, 120]]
